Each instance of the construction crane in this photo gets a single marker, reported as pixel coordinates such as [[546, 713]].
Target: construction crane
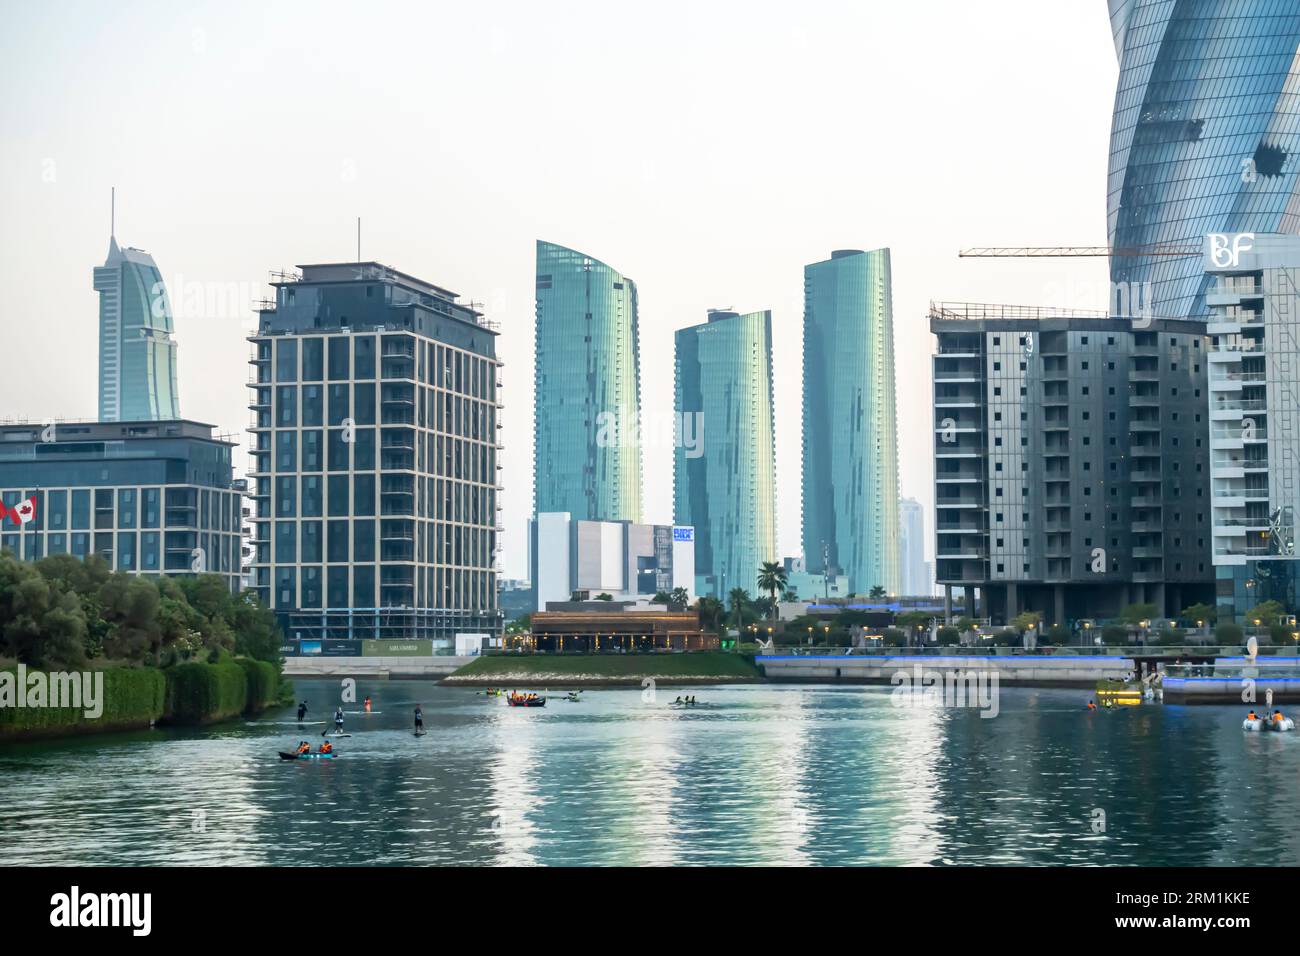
[[1166, 249]]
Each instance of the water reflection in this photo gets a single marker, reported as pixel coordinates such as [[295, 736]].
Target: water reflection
[[754, 774]]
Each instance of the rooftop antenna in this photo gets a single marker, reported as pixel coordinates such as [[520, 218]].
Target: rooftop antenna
[[112, 212], [358, 238]]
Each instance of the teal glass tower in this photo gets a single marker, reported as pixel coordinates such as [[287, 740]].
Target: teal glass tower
[[850, 435], [587, 397], [724, 462], [137, 356]]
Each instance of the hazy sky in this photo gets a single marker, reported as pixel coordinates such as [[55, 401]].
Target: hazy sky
[[707, 150]]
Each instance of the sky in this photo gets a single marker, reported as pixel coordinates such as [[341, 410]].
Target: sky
[[707, 150]]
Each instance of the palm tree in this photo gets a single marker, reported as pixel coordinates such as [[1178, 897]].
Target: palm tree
[[710, 610], [739, 598], [772, 577], [680, 596], [877, 593]]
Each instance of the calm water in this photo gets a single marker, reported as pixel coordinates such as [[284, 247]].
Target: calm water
[[756, 774]]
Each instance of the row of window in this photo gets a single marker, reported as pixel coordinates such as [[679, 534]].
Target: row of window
[[130, 508], [312, 587], [143, 551]]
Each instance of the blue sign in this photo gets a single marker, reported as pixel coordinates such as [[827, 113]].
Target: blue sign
[[683, 534]]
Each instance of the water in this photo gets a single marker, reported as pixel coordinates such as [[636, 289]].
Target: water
[[756, 774]]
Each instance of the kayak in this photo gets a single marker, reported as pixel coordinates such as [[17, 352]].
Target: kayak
[[1252, 725], [310, 756], [1286, 723], [526, 701]]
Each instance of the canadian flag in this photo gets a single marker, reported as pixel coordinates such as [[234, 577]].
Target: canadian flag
[[24, 511]]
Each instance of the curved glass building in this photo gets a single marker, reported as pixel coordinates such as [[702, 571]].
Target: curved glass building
[[724, 460], [850, 436], [137, 357], [587, 398], [1204, 138]]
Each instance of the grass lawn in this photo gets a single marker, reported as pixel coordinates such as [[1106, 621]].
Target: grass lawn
[[706, 666]]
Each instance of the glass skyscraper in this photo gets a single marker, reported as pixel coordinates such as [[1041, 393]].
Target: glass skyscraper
[[1204, 137], [850, 438], [137, 357], [587, 398], [724, 462]]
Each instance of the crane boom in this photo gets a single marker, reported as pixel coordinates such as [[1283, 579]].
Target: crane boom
[[1042, 252]]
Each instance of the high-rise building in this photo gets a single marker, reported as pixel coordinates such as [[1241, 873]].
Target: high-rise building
[[375, 457], [724, 480], [850, 439], [137, 357], [914, 569], [629, 562], [148, 497], [1071, 467], [587, 397], [1204, 137], [1254, 422]]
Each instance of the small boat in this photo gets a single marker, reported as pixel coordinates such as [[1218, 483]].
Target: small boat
[[1277, 726], [519, 700], [1252, 724], [306, 756]]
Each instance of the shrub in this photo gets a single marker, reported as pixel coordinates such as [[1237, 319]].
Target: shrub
[[892, 637], [1228, 633], [1172, 636], [133, 697], [263, 684], [948, 636], [1057, 634], [200, 693], [1114, 634]]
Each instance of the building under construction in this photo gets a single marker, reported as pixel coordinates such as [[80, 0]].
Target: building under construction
[[1071, 467]]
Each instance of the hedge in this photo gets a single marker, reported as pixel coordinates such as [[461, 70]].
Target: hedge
[[263, 684], [133, 697], [202, 693]]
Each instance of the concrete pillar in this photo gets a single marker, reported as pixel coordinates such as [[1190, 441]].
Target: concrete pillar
[[947, 603], [1060, 604], [1013, 602]]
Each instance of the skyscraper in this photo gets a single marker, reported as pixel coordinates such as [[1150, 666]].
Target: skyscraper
[[1204, 137], [850, 440], [724, 463], [914, 570], [587, 398], [137, 357]]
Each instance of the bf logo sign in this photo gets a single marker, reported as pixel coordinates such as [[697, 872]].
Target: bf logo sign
[[1225, 251]]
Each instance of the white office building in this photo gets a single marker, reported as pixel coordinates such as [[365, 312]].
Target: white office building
[[627, 561]]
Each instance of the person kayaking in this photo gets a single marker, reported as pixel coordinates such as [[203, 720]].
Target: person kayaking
[[326, 747], [367, 705], [1252, 715], [1091, 705], [338, 721], [1277, 717], [304, 747], [302, 711], [419, 719], [679, 700]]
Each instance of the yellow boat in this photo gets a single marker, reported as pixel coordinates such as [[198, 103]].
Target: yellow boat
[[1117, 692]]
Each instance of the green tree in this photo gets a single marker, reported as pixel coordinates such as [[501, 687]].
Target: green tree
[[1264, 614], [1195, 614], [1026, 620], [680, 596], [1135, 614], [772, 577], [877, 593]]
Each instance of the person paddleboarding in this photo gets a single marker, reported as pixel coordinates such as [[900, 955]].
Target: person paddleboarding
[[338, 721], [419, 720], [302, 711]]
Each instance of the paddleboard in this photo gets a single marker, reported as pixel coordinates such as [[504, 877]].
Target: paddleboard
[[364, 713], [336, 735], [419, 733]]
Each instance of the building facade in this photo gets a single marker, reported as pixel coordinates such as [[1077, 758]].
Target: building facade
[[914, 569], [1254, 420], [850, 437], [1071, 462], [149, 497], [375, 407], [1205, 130], [137, 356], [587, 394], [629, 562], [724, 481]]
